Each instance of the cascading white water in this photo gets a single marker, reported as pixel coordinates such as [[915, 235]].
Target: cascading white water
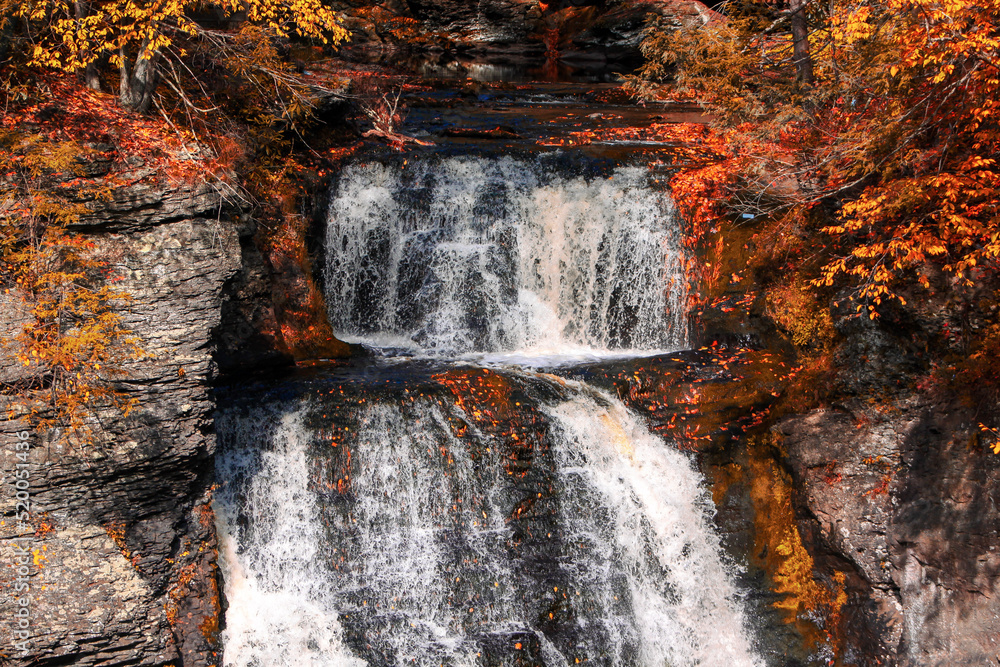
[[683, 603], [450, 256], [281, 611], [425, 557], [385, 529]]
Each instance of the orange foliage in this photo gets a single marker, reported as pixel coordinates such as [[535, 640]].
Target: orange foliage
[[935, 197], [64, 111], [116, 531], [150, 43], [796, 310], [385, 22], [695, 409], [885, 164], [991, 434], [299, 304], [179, 589]]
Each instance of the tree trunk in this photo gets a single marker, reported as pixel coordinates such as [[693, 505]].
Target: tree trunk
[[138, 84], [89, 73], [800, 42], [90, 77]]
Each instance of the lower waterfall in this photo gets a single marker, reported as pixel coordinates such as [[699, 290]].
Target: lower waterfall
[[465, 518]]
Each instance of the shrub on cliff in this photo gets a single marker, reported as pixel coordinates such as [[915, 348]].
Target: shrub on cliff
[[73, 343]]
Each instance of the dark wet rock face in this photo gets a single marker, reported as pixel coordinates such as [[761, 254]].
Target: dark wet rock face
[[621, 26], [502, 21], [875, 358], [909, 497], [122, 567], [249, 335]]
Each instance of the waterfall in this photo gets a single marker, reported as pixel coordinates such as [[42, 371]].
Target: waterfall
[[280, 611], [451, 256], [454, 509], [415, 527], [631, 503]]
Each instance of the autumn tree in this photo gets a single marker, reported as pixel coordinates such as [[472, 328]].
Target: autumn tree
[[148, 42], [882, 152], [74, 343]]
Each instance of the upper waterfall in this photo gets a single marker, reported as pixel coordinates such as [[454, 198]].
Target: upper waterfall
[[450, 256]]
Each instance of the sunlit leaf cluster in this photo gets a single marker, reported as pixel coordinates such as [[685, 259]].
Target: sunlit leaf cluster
[[79, 34]]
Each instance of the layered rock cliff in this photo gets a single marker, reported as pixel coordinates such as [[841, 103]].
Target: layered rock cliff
[[120, 540]]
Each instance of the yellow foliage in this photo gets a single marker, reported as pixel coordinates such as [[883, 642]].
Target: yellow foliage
[[992, 434], [794, 308], [113, 27], [75, 343]]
